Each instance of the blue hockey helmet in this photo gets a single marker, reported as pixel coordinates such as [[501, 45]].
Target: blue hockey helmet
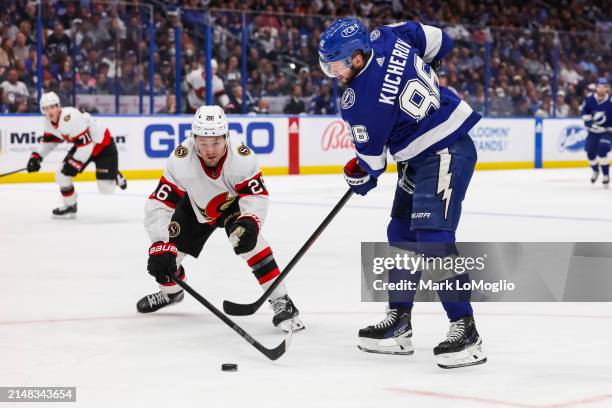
[[602, 81], [340, 41]]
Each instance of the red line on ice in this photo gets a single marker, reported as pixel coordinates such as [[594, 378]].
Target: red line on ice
[[489, 401]]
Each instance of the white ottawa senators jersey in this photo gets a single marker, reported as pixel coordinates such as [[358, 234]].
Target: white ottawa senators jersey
[[197, 89], [209, 191], [81, 129]]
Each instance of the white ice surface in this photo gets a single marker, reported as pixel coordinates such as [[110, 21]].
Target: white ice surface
[[69, 289]]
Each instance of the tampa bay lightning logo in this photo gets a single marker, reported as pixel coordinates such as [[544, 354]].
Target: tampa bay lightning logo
[[374, 35], [348, 98], [572, 139], [349, 31]]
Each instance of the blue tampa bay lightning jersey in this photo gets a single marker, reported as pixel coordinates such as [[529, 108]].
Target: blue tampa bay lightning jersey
[[597, 114], [395, 103]]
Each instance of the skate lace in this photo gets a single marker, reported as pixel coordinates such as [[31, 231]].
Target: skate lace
[[387, 321], [157, 298], [456, 331], [279, 305]]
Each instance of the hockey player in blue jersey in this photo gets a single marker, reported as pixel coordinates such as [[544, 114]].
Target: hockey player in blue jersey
[[597, 116], [393, 103]]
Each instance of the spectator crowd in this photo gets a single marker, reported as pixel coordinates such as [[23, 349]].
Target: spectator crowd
[[537, 56]]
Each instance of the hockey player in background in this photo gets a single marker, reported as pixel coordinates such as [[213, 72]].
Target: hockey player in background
[[91, 141], [393, 102], [597, 116], [211, 181], [195, 86]]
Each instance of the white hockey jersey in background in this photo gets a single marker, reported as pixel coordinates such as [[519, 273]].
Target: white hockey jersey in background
[[196, 89], [80, 128], [210, 191]]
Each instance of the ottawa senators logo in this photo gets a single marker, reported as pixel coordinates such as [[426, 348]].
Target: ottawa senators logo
[[215, 207], [66, 118], [243, 150], [174, 229], [181, 151]]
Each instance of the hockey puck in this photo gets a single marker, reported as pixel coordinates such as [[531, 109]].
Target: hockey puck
[[229, 367]]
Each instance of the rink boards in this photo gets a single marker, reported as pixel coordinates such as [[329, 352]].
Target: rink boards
[[290, 144]]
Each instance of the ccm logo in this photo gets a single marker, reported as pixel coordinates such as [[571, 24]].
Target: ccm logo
[[161, 248]]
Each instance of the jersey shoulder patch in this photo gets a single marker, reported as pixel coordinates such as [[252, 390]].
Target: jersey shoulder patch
[[181, 151], [243, 150]]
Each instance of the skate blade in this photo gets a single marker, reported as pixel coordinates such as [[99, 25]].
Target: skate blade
[[473, 355], [64, 217], [294, 325], [397, 346]]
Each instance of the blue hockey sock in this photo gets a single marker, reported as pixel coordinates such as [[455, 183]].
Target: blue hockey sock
[[403, 299], [456, 303], [605, 169]]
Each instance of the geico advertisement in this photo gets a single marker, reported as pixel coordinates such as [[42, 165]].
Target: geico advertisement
[[563, 140], [504, 140], [143, 142], [325, 141]]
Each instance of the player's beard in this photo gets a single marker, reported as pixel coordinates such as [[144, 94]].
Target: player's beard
[[353, 73], [213, 162]]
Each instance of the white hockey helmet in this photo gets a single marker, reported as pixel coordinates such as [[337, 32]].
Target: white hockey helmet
[[209, 121], [49, 99]]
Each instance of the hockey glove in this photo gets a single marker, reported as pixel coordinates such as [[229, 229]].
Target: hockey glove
[[72, 167], [242, 233], [357, 178], [162, 261], [34, 162]]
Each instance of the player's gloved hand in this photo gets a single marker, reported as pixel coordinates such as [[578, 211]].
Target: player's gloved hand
[[34, 162], [72, 167], [357, 178], [162, 261], [242, 233]]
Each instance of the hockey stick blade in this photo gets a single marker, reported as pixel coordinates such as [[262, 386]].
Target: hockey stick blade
[[242, 309], [272, 354], [13, 172]]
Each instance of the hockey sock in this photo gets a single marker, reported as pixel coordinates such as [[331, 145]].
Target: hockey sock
[[266, 271], [605, 169], [69, 196], [403, 298], [456, 303]]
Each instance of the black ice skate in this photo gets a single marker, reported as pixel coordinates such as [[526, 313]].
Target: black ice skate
[[153, 302], [594, 176], [606, 181], [65, 212], [121, 181], [393, 335], [286, 315], [462, 347]]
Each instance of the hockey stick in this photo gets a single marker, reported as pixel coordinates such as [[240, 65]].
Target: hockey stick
[[13, 172], [240, 309], [272, 354]]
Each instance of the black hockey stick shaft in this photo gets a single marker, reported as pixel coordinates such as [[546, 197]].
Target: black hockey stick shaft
[[272, 354], [13, 172], [239, 309]]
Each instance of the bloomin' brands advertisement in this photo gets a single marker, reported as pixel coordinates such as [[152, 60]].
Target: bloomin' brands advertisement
[[563, 142]]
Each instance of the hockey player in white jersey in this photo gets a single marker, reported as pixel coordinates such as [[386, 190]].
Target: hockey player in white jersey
[[195, 86], [91, 143], [211, 181]]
